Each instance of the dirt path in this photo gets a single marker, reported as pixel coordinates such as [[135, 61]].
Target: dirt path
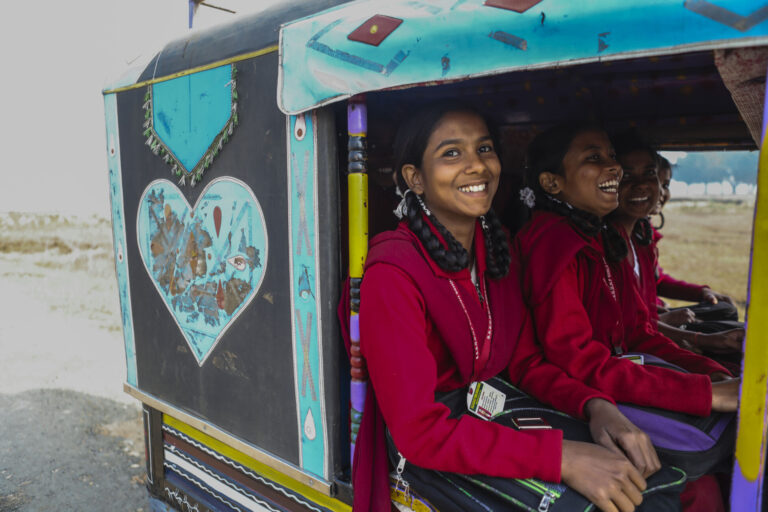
[[70, 439]]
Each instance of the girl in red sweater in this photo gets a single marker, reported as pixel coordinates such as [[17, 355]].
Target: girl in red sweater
[[586, 311], [639, 195], [586, 305], [440, 309]]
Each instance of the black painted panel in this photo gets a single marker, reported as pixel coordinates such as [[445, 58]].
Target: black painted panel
[[248, 390]]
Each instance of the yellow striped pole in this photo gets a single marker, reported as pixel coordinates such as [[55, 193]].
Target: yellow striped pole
[[357, 182]]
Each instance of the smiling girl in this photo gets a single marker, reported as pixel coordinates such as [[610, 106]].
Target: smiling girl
[[585, 311], [639, 195], [440, 310]]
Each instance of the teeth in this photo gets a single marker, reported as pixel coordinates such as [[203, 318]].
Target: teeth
[[611, 186], [638, 199], [474, 188]]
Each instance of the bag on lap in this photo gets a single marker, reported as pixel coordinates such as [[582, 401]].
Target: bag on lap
[[694, 444], [449, 492]]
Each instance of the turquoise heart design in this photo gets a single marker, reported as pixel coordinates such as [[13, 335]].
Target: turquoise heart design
[[207, 261]]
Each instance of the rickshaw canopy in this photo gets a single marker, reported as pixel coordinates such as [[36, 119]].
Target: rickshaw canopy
[[366, 46]]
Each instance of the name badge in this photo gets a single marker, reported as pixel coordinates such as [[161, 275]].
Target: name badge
[[635, 358], [484, 400]]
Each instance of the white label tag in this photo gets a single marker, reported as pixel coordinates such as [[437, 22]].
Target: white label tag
[[635, 358], [484, 400]]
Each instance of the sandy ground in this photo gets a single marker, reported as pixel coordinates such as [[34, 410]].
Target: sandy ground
[[70, 439]]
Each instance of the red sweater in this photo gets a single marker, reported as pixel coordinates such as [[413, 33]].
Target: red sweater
[[414, 349], [567, 283], [668, 286]]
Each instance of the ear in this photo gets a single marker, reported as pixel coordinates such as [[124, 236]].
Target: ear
[[412, 177], [550, 182]]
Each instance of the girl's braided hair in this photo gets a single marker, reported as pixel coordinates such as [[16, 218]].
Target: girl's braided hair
[[545, 154], [409, 146]]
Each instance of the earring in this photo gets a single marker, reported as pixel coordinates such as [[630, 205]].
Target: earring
[[423, 206], [484, 225]]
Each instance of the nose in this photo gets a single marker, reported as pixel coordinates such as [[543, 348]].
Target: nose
[[475, 163]]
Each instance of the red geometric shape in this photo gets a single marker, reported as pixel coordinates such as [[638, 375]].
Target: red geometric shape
[[375, 30], [512, 5]]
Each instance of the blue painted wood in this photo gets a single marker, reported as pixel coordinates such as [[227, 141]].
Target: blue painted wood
[[307, 340], [207, 261], [190, 111], [441, 40], [118, 235]]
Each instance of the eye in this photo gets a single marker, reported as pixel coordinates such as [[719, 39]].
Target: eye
[[594, 157], [485, 148], [451, 153], [238, 262]]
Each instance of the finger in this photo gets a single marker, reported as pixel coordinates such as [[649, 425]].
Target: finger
[[637, 479], [605, 440], [635, 453], [628, 500], [655, 464], [605, 505]]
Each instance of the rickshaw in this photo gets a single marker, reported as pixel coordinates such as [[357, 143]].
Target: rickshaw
[[249, 165]]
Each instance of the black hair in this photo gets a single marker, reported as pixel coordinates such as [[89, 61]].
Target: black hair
[[627, 142], [409, 146], [545, 154]]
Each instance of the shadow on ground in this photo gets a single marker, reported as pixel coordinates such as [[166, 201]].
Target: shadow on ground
[[62, 450]]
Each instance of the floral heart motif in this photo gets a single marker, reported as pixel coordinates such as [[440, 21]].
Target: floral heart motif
[[207, 261]]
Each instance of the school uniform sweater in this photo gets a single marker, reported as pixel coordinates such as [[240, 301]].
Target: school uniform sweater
[[586, 310], [417, 326], [668, 286]]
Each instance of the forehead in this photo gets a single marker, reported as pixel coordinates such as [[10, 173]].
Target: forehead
[[637, 159], [458, 125]]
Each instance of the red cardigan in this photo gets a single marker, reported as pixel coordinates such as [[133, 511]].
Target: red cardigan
[[668, 286], [416, 345], [566, 282], [648, 261]]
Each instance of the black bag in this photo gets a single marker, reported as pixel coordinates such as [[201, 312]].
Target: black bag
[[708, 312], [453, 492], [695, 444]]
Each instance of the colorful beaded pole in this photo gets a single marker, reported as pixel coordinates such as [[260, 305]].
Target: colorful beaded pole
[[357, 181]]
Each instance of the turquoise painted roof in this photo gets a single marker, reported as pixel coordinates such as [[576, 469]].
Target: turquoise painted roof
[[444, 40]]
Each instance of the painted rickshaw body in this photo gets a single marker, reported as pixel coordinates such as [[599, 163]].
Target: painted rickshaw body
[[240, 177]]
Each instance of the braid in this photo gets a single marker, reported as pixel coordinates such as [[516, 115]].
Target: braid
[[497, 255], [614, 244], [643, 231], [451, 260]]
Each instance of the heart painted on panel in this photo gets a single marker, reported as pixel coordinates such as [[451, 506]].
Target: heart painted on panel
[[207, 261]]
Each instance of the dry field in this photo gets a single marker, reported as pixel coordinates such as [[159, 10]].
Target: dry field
[[708, 242]]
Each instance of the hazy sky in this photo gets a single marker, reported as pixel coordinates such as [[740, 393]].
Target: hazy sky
[[57, 56]]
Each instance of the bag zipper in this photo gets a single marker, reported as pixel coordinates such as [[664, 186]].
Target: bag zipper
[[546, 501]]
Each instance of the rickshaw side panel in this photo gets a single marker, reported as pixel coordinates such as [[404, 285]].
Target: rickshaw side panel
[[246, 385]]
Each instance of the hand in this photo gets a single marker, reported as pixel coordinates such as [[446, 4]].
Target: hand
[[725, 395], [612, 430], [724, 342], [678, 317], [714, 297], [605, 478]]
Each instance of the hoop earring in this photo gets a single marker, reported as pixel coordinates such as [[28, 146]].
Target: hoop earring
[[423, 206]]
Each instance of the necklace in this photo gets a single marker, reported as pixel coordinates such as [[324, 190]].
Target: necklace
[[489, 330]]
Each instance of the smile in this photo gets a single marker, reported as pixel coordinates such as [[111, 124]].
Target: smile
[[638, 199], [611, 186], [480, 187]]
